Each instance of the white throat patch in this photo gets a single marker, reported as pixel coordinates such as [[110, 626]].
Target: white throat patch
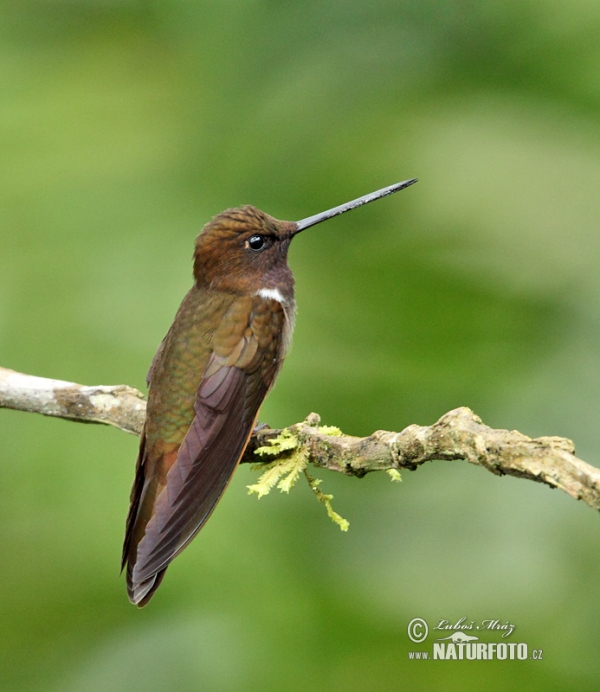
[[271, 294]]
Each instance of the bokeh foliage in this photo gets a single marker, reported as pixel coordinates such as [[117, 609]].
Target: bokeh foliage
[[124, 126]]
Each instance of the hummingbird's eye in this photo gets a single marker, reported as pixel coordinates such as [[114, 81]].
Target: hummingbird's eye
[[256, 243]]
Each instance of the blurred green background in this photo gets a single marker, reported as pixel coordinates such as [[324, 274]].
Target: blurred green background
[[124, 126]]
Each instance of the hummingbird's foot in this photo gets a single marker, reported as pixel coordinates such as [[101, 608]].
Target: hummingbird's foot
[[260, 426]]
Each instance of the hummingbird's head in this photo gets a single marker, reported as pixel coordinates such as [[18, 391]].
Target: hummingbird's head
[[243, 249]]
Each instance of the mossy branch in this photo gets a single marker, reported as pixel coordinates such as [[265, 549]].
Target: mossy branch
[[459, 434]]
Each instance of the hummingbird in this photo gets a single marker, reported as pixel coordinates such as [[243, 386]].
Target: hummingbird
[[208, 380]]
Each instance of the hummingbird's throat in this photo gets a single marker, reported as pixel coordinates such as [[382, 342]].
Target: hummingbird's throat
[[271, 294]]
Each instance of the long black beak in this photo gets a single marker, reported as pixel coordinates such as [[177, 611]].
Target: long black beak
[[371, 197]]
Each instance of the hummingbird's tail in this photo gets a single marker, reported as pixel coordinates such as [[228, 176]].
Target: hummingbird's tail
[[139, 594]]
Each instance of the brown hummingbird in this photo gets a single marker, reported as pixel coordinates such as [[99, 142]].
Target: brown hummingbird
[[208, 379]]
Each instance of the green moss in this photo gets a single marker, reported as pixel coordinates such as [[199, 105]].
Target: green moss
[[314, 483], [284, 472], [282, 443], [330, 430], [394, 474]]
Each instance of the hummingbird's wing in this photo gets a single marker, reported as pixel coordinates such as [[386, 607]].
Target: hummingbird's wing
[[172, 503]]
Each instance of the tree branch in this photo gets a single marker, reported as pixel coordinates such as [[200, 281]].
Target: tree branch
[[121, 406], [459, 434]]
